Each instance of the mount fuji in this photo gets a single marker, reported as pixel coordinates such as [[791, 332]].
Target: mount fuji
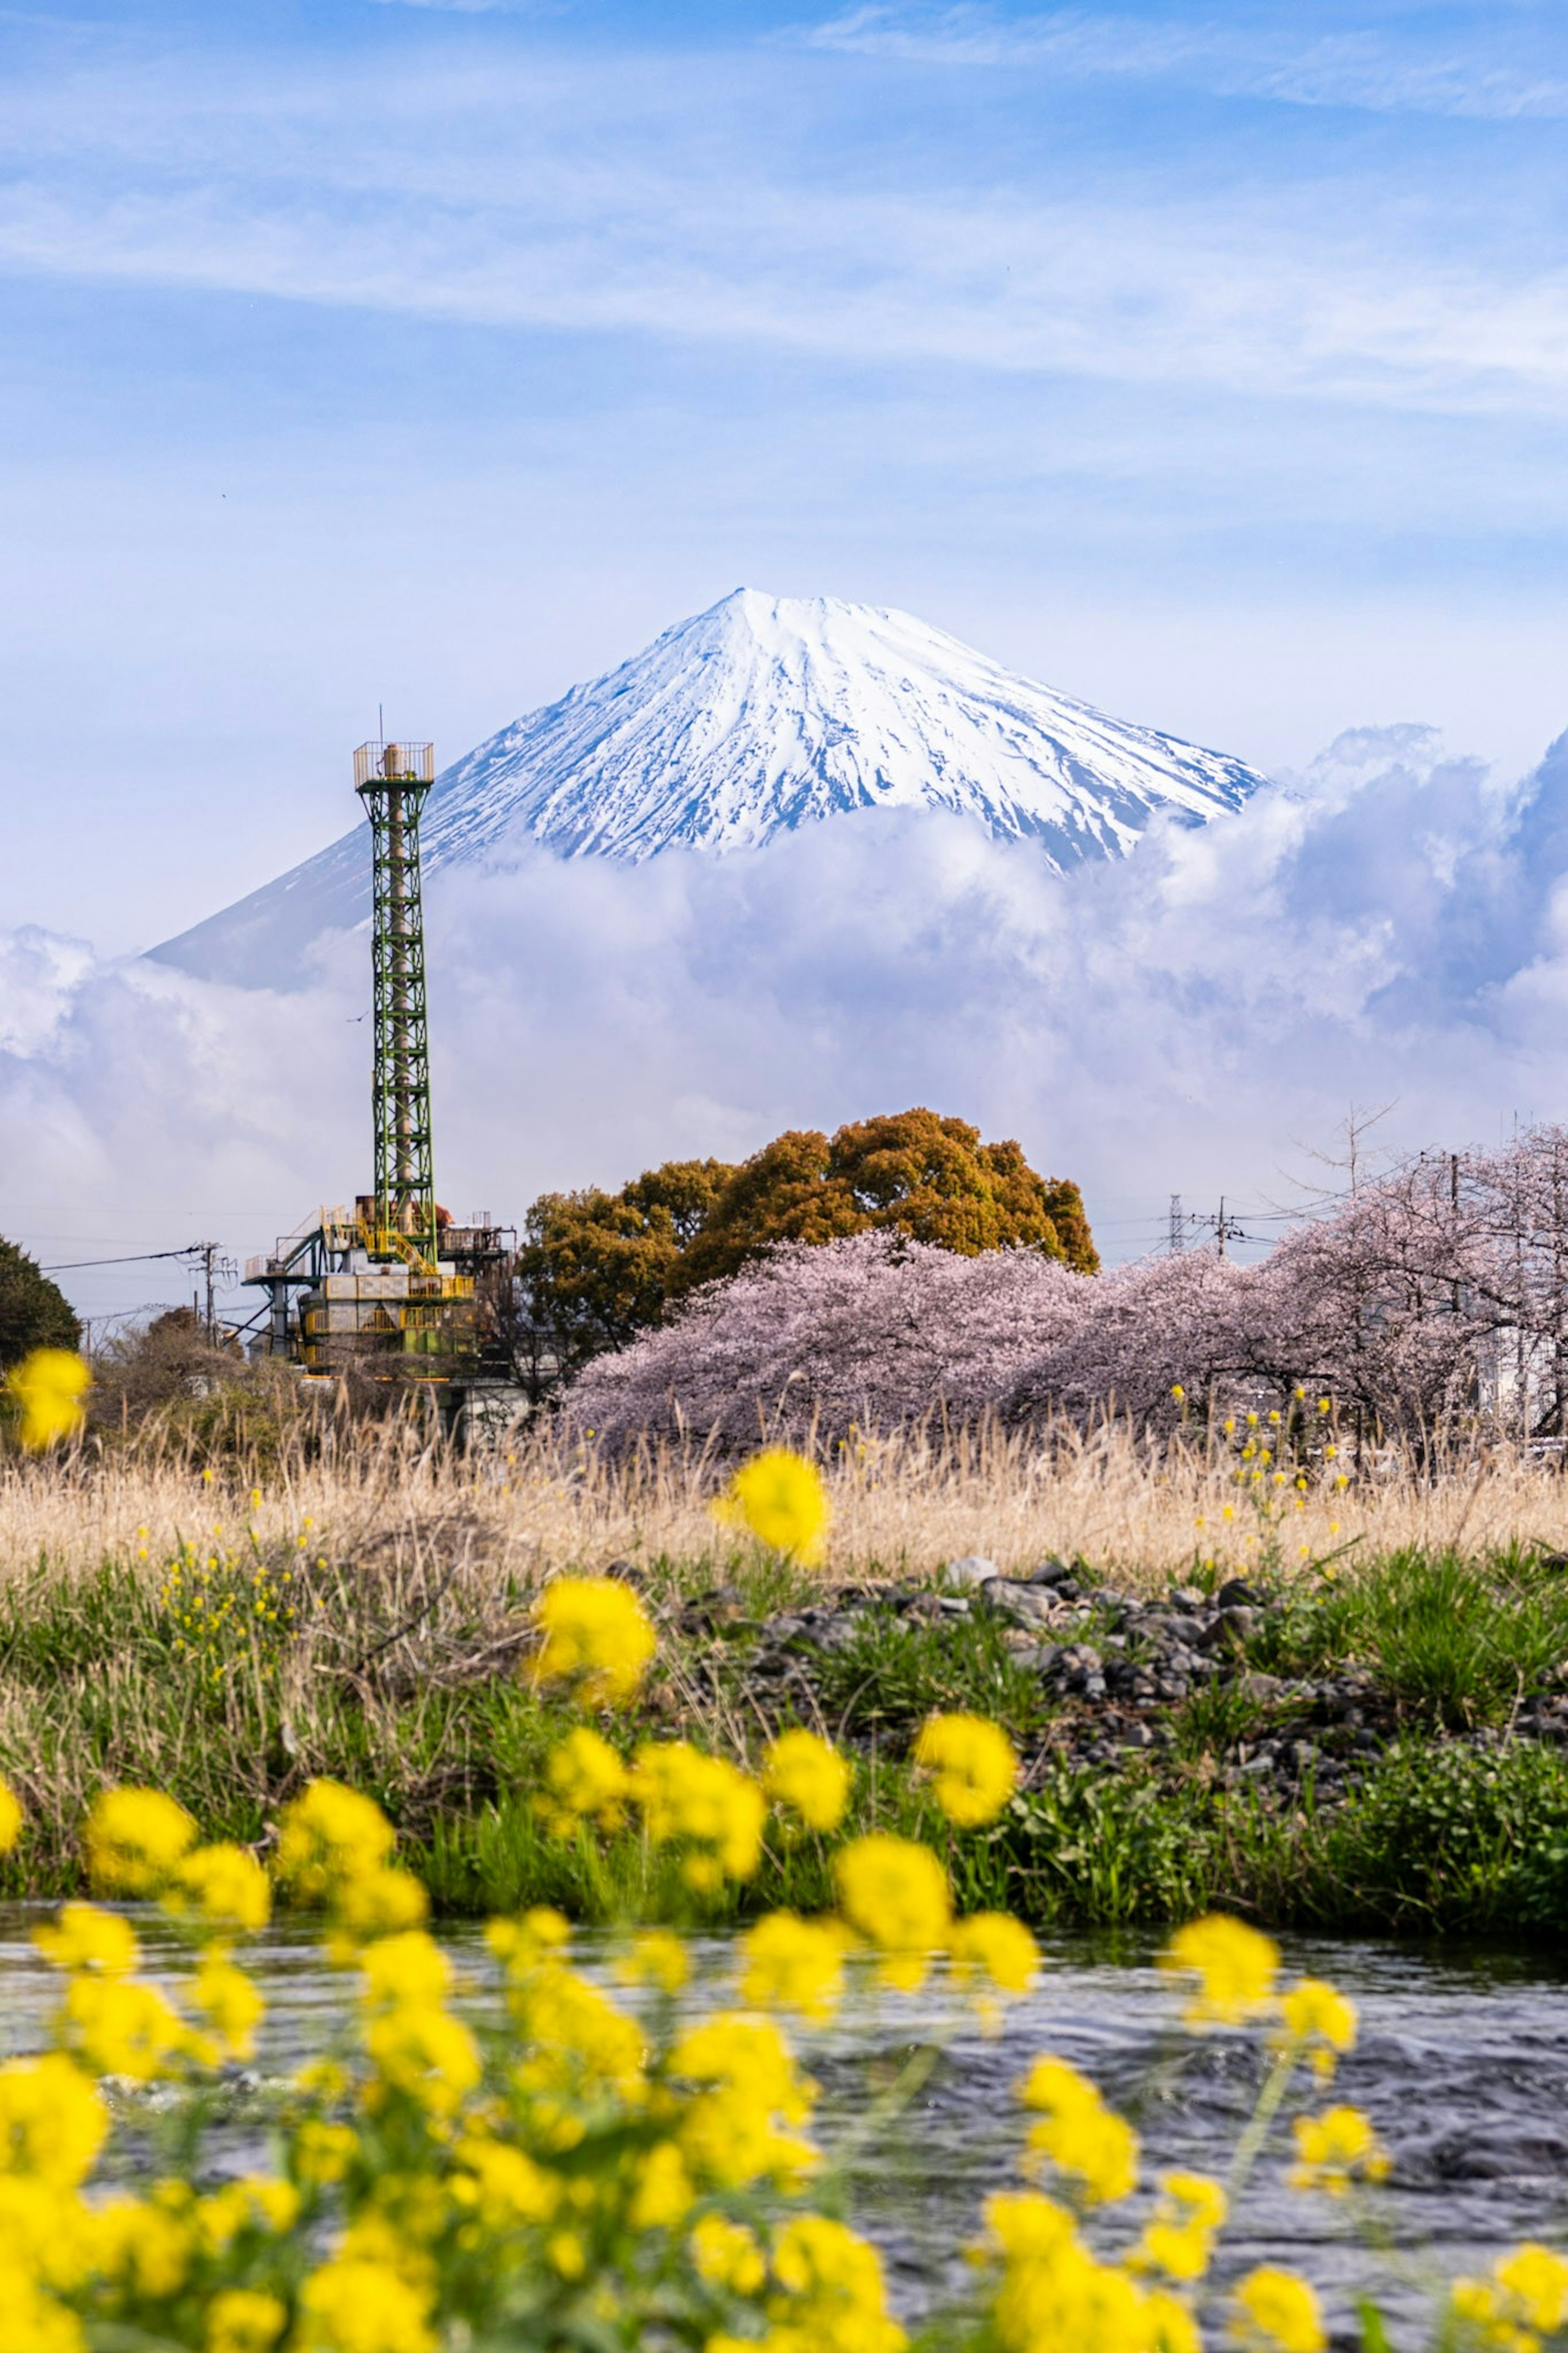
[[755, 718]]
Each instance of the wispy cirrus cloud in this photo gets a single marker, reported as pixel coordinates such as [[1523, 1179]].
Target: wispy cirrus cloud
[[484, 7], [1363, 70], [652, 199]]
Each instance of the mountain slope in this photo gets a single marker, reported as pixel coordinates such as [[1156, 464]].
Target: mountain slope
[[757, 717]]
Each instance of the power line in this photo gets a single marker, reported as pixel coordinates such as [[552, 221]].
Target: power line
[[137, 1258]]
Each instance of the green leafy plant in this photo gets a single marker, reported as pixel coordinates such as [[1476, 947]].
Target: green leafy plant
[[1455, 1641], [898, 1670]]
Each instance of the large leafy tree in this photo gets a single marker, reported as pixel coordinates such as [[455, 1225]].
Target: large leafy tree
[[598, 1268], [34, 1312], [595, 1268], [910, 1172]]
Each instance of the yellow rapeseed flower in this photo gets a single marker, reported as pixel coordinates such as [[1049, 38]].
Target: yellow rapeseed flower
[[733, 2130], [1527, 2292], [142, 2246], [1054, 2293], [83, 1937], [323, 2152], [596, 1637], [832, 2297], [330, 1834], [224, 1885], [118, 2027], [996, 1950], [49, 1385], [1334, 2149], [809, 1777], [1484, 2314], [1179, 2240], [788, 1963], [727, 2254], [973, 1765], [704, 1803], [665, 2194], [1236, 1967], [1276, 2312], [1317, 2018], [408, 1968], [895, 1894], [244, 2320], [231, 2006], [1078, 2133], [135, 1838], [521, 1945], [426, 2052], [1537, 2280], [780, 1497], [585, 1780], [53, 2121], [379, 1902], [657, 1957], [352, 2306], [503, 2184], [575, 2034]]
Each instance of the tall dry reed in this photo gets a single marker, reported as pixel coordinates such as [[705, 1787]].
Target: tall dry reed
[[901, 1506]]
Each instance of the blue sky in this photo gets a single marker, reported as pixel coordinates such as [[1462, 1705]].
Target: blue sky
[[1207, 362]]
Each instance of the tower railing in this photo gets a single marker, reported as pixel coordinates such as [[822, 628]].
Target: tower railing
[[395, 762]]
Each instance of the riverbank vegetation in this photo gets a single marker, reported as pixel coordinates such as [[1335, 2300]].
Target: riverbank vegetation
[[578, 2166], [626, 2155], [1369, 1737]]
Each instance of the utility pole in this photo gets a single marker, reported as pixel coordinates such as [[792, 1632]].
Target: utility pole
[[207, 1253], [1222, 1228]]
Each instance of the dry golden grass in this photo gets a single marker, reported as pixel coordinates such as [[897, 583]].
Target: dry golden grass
[[901, 1506]]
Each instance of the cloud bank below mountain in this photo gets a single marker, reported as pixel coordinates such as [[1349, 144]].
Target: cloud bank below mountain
[[1392, 925]]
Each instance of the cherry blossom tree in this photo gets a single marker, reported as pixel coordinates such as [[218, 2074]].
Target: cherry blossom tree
[[1430, 1305], [873, 1330]]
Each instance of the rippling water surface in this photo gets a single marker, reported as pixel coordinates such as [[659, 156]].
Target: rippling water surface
[[1463, 2064]]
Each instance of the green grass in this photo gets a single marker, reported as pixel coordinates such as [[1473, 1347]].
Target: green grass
[[898, 1670], [1455, 1641], [498, 1860], [1213, 1718], [1435, 1838]]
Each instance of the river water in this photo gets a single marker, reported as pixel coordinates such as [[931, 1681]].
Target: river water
[[1462, 2063]]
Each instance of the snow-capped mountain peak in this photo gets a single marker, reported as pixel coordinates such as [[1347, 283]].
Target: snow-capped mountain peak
[[750, 720], [766, 713]]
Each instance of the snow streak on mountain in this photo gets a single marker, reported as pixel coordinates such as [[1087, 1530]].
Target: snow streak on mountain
[[761, 715]]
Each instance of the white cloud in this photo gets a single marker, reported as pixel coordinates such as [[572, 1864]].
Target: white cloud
[[675, 198], [480, 7], [1390, 925], [1361, 71]]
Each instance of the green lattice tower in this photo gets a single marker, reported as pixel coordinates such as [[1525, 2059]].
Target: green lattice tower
[[393, 780]]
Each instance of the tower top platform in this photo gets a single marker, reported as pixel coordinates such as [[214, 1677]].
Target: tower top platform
[[393, 764]]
